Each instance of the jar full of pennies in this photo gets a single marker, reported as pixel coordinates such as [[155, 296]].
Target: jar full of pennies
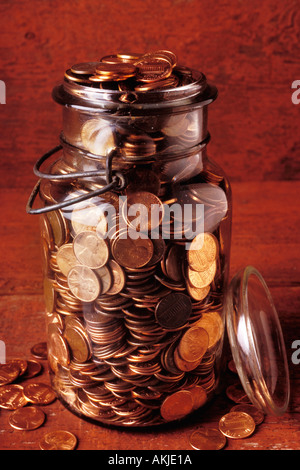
[[136, 229]]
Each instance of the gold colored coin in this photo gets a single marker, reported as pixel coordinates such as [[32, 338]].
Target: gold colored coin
[[90, 250], [177, 405], [197, 293], [78, 344], [27, 418], [207, 439], [201, 279], [203, 251], [39, 393], [58, 348], [12, 397], [83, 283], [213, 324], [66, 258], [193, 344], [58, 440], [237, 425], [251, 410]]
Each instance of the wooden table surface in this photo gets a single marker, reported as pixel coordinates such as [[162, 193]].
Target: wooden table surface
[[265, 235]]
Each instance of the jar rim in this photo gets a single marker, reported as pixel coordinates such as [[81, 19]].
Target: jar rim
[[198, 93]]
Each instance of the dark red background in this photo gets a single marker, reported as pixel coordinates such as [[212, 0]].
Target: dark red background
[[250, 51]]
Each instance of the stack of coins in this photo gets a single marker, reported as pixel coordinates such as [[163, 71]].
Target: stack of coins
[[137, 78], [134, 304]]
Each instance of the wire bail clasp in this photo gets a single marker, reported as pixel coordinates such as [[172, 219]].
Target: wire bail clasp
[[115, 181]]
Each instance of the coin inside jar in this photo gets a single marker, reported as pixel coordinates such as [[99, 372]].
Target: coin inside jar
[[173, 311], [177, 405], [90, 250], [193, 344], [83, 283], [202, 251]]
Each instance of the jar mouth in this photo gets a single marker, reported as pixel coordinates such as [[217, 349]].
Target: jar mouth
[[198, 93]]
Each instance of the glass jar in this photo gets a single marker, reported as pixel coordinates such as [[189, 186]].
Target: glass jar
[[136, 229]]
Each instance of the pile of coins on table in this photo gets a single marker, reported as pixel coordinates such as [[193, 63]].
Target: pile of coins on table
[[239, 423], [133, 298], [25, 398]]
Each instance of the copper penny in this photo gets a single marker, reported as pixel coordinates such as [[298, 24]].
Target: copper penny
[[58, 348], [8, 373], [236, 393], [27, 418], [83, 283], [177, 405], [143, 211], [123, 68], [12, 397], [213, 324], [207, 439], [58, 440], [33, 369], [201, 279], [198, 293], [105, 277], [199, 396], [21, 363], [237, 425], [84, 68], [118, 278], [78, 344], [202, 251], [193, 344], [183, 365], [152, 67], [90, 250], [39, 350], [66, 258], [173, 310], [39, 393], [251, 410], [132, 253]]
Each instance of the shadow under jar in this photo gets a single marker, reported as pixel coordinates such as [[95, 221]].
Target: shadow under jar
[[136, 268]]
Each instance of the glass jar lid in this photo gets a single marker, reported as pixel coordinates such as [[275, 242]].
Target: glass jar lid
[[257, 342]]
